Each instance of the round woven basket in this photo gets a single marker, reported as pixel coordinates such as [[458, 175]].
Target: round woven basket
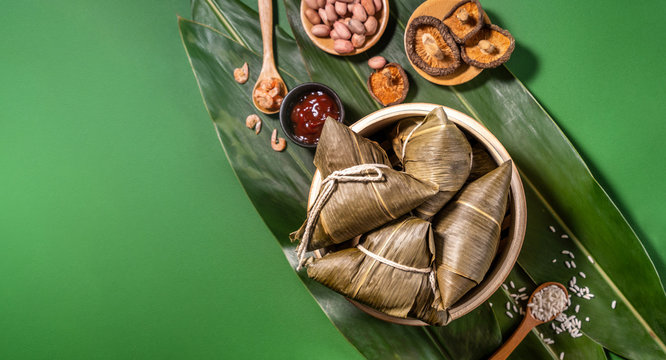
[[509, 246]]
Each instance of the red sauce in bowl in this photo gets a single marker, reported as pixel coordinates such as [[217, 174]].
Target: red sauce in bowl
[[308, 115]]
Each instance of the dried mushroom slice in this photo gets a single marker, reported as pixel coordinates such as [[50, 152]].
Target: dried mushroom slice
[[489, 48], [464, 20], [389, 85], [431, 47]]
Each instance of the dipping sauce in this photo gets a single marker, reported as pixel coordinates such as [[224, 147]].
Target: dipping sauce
[[309, 113]]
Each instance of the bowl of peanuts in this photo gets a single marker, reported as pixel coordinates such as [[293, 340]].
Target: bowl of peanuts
[[344, 27]]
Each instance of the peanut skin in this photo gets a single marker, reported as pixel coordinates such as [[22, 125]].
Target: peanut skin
[[378, 5], [359, 13], [370, 26], [369, 7], [320, 30], [343, 46], [356, 26], [358, 40], [342, 30], [312, 4], [377, 62], [312, 16]]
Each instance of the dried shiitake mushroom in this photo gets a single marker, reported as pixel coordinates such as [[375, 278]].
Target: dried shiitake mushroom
[[389, 85], [431, 47], [464, 20], [490, 47]]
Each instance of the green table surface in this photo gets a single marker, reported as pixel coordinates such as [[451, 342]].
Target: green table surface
[[124, 232]]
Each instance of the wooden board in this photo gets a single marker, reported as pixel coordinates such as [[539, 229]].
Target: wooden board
[[326, 44], [438, 9]]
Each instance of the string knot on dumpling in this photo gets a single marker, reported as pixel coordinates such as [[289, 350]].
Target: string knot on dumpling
[[364, 173]]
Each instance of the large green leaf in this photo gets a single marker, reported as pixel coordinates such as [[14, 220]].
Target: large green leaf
[[560, 189]]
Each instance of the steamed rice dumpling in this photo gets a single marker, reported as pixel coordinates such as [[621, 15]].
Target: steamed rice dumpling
[[389, 270], [355, 207], [339, 148], [482, 162], [467, 233], [434, 149]]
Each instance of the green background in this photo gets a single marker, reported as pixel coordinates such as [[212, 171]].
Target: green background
[[124, 233]]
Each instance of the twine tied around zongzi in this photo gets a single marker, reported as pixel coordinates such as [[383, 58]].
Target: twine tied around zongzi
[[364, 173], [429, 270], [404, 144]]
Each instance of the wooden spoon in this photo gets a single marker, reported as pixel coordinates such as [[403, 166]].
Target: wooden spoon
[[528, 323], [268, 69]]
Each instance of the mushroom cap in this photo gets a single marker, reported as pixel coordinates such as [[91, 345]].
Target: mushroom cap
[[500, 38], [463, 30], [420, 57], [402, 86]]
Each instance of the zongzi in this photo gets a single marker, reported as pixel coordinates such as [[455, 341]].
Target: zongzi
[[467, 232], [356, 200], [339, 148], [434, 149], [390, 270]]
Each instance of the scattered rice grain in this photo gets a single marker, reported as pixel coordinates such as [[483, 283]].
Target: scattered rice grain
[[582, 274], [613, 304], [552, 228], [512, 284], [589, 257], [564, 236], [568, 264], [554, 260], [509, 314], [562, 355], [522, 289], [573, 264], [577, 308], [505, 287]]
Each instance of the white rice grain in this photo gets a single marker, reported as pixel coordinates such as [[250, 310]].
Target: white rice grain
[[577, 308], [548, 302], [568, 264], [552, 228], [505, 287], [509, 314], [554, 260], [508, 305], [589, 257], [564, 236], [582, 274], [587, 319], [573, 264], [522, 289], [512, 285], [613, 304], [562, 355]]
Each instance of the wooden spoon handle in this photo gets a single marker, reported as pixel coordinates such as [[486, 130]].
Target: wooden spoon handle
[[523, 329], [266, 20]]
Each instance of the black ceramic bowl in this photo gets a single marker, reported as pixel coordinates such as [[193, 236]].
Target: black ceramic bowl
[[290, 100]]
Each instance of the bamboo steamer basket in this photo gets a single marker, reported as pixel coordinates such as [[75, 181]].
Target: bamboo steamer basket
[[509, 246]]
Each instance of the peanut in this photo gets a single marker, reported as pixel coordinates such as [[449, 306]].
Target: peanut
[[350, 8], [312, 16], [369, 7], [340, 8], [358, 40], [342, 30], [378, 5], [377, 62], [334, 35], [320, 30], [331, 15], [359, 13], [321, 3], [312, 4], [370, 26], [324, 18], [356, 26], [343, 46]]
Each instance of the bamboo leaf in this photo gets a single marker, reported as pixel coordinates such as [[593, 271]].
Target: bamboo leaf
[[560, 189]]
